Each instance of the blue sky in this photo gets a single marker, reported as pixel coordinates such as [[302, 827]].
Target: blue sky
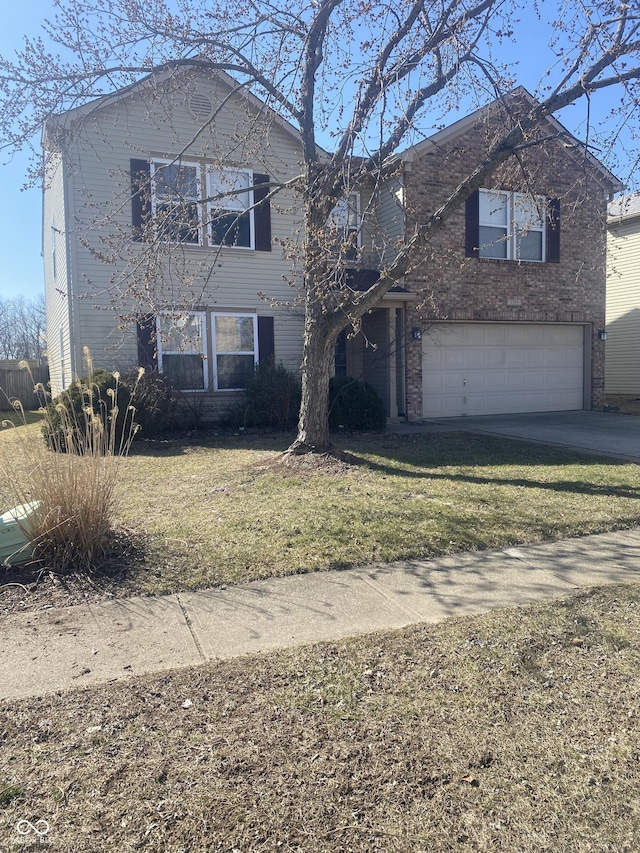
[[20, 215]]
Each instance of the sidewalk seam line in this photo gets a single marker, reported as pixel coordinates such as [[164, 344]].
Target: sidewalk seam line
[[409, 611], [189, 623]]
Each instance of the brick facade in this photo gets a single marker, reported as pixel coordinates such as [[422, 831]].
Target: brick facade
[[453, 287]]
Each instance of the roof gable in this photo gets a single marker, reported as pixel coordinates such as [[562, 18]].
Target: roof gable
[[70, 117], [572, 146]]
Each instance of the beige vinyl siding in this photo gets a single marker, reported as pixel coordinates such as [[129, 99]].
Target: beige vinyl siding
[[368, 228], [55, 258], [391, 215], [209, 278], [622, 365]]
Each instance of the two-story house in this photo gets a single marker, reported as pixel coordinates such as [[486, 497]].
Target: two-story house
[[165, 247]]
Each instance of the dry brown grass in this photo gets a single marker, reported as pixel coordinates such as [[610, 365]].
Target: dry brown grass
[[223, 510], [513, 731], [626, 404], [72, 484]]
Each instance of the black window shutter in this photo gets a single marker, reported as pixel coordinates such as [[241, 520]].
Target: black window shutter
[[266, 341], [553, 231], [262, 214], [140, 197], [472, 230], [147, 343]]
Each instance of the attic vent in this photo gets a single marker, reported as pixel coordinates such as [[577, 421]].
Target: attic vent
[[200, 107]]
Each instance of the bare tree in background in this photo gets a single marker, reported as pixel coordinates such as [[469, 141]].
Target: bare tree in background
[[22, 325], [368, 74]]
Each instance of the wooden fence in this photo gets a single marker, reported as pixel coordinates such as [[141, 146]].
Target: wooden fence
[[17, 383]]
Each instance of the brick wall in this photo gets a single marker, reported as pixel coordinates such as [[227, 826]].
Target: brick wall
[[454, 287]]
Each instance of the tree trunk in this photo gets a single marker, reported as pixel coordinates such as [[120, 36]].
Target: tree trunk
[[320, 335]]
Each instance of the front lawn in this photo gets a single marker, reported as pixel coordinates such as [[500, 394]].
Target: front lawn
[[224, 510], [220, 512]]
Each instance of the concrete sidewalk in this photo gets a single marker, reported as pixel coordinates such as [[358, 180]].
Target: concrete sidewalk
[[58, 649]]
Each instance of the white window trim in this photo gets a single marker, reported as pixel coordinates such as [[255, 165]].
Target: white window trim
[[163, 161], [214, 350], [212, 206], [512, 231], [350, 202], [162, 350]]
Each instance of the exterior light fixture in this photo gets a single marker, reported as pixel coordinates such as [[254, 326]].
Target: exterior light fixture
[[602, 335], [416, 334]]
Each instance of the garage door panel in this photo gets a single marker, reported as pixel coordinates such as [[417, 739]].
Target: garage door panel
[[453, 358], [496, 380], [562, 379], [534, 380], [496, 335], [535, 357], [474, 334], [515, 381], [516, 357], [495, 357], [473, 357], [556, 357], [448, 406], [500, 368]]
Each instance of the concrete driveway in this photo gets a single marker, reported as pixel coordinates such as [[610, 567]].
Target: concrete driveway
[[608, 433]]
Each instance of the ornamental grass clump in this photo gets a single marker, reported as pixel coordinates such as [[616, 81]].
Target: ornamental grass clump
[[71, 480]]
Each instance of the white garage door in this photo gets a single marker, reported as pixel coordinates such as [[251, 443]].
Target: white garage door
[[493, 368]]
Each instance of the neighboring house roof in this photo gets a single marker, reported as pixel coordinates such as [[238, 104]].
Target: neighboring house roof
[[624, 207], [573, 146]]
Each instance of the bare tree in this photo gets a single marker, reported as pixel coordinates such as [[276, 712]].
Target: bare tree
[[22, 323], [369, 72]]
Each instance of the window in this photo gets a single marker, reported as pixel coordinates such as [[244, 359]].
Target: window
[[494, 224], [235, 347], [528, 227], [512, 226], [174, 200], [198, 350], [345, 219], [230, 211], [168, 193], [182, 347]]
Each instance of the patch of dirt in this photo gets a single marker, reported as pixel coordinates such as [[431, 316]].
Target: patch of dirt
[[35, 586], [333, 463]]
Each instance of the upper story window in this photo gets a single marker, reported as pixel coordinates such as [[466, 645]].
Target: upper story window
[[230, 208], [345, 219], [512, 226], [175, 190], [167, 200]]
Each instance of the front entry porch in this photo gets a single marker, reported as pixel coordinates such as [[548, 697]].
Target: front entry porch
[[376, 354]]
